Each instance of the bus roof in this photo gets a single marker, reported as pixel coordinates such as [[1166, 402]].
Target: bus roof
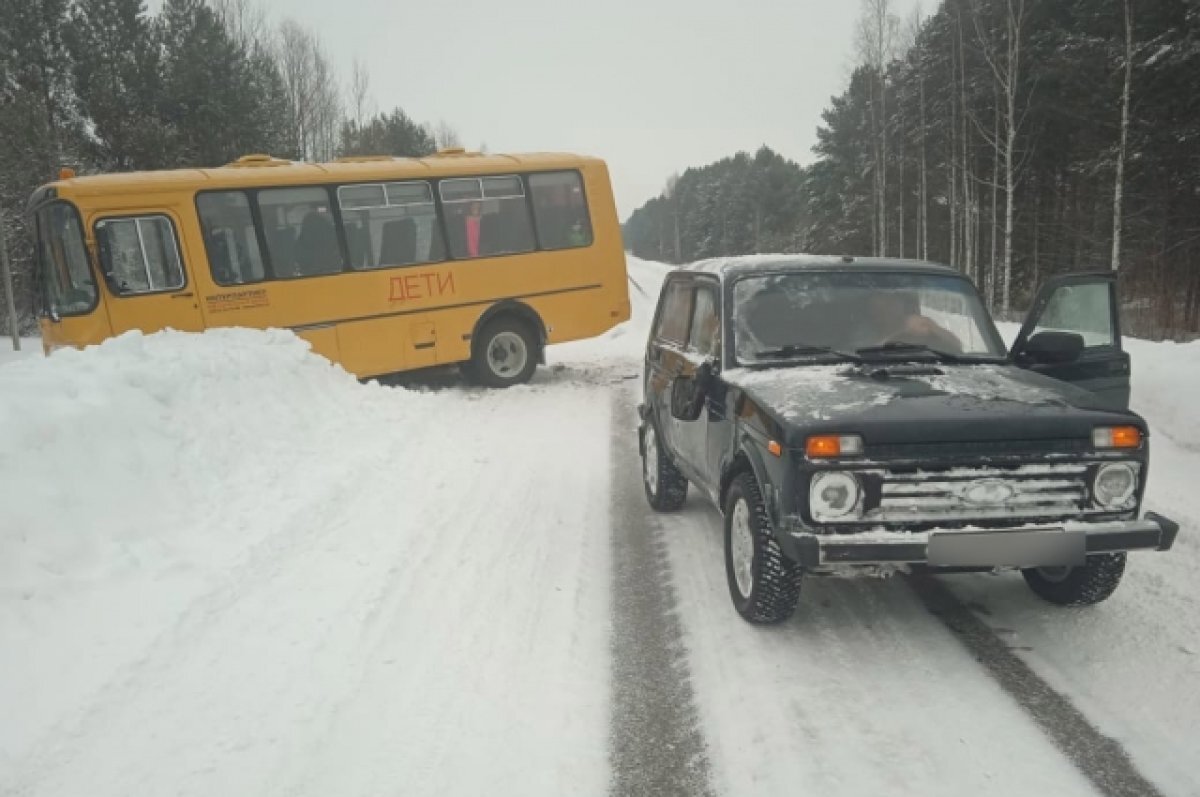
[[262, 170]]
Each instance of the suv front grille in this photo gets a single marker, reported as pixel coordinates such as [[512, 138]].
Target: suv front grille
[[1058, 447], [1020, 492]]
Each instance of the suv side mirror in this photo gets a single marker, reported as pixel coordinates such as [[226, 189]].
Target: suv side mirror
[[688, 392], [1053, 348]]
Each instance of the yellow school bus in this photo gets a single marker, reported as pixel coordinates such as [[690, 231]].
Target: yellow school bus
[[383, 264]]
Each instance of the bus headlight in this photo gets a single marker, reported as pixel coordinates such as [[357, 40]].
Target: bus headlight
[[1114, 485], [834, 495]]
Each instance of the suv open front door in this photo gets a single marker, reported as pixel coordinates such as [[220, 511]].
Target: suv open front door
[[1073, 333]]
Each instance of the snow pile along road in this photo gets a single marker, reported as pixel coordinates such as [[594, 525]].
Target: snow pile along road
[[110, 455]]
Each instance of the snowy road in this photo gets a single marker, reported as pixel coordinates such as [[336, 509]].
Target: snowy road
[[336, 589]]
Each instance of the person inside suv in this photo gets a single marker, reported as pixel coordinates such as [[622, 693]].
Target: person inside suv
[[895, 317]]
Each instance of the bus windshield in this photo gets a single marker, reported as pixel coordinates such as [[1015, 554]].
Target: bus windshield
[[66, 280]]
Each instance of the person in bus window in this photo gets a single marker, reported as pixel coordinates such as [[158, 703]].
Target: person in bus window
[[578, 230], [472, 222]]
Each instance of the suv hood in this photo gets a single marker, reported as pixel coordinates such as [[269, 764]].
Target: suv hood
[[924, 403]]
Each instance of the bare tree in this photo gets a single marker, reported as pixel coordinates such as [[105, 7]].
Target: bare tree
[[970, 202], [671, 194], [312, 92], [246, 22], [360, 91], [876, 41], [445, 136], [1003, 56], [1119, 186], [995, 189], [913, 34]]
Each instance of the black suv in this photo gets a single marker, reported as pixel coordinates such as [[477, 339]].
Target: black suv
[[850, 413]]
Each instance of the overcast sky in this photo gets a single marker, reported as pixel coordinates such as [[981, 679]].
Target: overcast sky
[[651, 86]]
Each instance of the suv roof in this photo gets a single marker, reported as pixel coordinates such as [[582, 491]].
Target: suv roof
[[725, 267]]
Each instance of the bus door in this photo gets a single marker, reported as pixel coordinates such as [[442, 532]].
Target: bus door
[[142, 263]]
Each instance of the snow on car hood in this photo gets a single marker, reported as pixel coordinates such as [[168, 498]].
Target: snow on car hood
[[959, 401]]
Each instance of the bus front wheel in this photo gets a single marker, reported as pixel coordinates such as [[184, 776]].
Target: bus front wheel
[[505, 353]]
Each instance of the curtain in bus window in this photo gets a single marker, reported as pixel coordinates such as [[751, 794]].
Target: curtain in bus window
[[67, 284], [561, 210], [486, 216], [302, 240], [139, 255], [392, 224], [229, 238]]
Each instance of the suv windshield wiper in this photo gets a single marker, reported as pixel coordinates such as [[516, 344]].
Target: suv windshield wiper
[[801, 350], [901, 348]]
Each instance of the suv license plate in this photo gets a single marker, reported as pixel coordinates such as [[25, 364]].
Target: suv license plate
[[1034, 548]]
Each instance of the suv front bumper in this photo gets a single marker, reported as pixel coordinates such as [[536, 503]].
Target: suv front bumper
[[1023, 546]]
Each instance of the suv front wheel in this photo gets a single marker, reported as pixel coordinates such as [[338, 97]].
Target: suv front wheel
[[1086, 585], [763, 582]]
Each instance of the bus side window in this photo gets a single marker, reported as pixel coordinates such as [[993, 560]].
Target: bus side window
[[229, 238], [301, 237], [561, 210], [486, 216], [392, 224]]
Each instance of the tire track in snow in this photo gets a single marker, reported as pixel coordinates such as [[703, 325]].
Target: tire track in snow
[[656, 746], [1101, 759]]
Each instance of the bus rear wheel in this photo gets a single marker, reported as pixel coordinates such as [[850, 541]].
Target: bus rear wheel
[[505, 353]]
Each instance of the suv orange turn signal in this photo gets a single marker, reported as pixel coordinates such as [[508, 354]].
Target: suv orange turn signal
[[827, 446], [1116, 437]]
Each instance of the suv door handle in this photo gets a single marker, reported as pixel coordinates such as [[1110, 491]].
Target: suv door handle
[[187, 295]]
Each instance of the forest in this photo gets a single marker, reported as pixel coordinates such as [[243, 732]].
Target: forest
[[1012, 139], [105, 85]]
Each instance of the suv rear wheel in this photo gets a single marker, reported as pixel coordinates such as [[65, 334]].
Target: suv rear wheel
[[763, 582], [666, 487], [1078, 586]]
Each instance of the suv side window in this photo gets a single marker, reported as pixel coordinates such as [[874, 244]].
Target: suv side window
[[676, 314], [705, 336]]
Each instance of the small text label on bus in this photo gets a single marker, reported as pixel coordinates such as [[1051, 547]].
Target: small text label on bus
[[426, 285]]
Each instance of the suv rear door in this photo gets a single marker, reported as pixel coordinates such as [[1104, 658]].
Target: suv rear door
[[1083, 305]]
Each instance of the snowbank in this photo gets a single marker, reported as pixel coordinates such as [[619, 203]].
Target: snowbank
[[105, 453], [30, 347], [109, 455]]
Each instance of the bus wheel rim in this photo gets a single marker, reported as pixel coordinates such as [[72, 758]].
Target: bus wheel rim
[[507, 354]]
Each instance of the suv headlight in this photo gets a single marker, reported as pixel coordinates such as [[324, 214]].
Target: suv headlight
[[1115, 484], [834, 495]]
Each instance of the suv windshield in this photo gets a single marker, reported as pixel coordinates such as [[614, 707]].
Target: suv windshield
[[846, 314]]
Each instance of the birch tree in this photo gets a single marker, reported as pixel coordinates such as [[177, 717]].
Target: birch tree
[[1119, 185], [877, 31], [1003, 58], [310, 87]]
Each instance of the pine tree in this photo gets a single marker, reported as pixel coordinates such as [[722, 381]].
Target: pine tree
[[392, 133], [117, 79]]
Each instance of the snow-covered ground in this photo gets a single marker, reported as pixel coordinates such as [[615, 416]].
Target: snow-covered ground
[[227, 567], [30, 347]]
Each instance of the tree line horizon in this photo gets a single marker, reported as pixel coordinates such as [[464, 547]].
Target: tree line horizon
[[1011, 139]]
